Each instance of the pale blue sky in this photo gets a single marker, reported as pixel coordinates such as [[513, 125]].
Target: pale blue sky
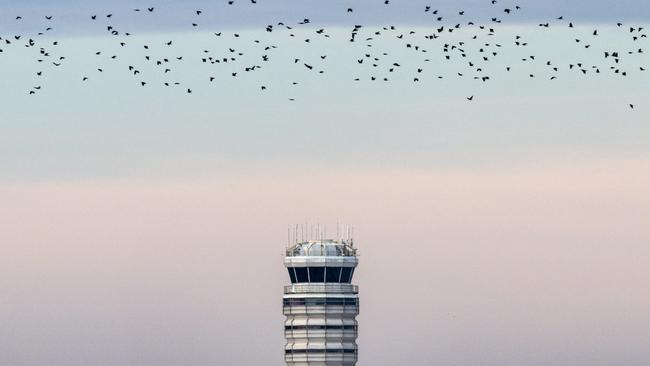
[[110, 126]]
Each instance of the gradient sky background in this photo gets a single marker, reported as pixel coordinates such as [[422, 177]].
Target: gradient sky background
[[142, 226]]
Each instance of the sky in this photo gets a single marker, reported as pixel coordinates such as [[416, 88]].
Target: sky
[[146, 226]]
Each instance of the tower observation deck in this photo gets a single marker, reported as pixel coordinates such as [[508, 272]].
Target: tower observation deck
[[321, 304]]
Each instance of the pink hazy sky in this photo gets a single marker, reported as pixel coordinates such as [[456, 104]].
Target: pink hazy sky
[[536, 264]]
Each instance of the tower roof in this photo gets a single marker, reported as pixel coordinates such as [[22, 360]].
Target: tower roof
[[322, 248]]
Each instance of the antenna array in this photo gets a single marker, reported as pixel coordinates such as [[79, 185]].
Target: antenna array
[[301, 233]]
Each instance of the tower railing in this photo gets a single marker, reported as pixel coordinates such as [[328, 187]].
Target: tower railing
[[321, 288]]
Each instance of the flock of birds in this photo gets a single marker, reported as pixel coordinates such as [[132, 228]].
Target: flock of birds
[[478, 54]]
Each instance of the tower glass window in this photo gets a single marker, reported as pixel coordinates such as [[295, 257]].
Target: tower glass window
[[333, 274], [316, 274], [301, 274], [292, 274], [320, 274], [346, 274]]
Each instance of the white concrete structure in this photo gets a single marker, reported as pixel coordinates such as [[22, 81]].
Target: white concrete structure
[[321, 304]]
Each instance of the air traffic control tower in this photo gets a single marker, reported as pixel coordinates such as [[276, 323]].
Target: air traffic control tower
[[321, 304]]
